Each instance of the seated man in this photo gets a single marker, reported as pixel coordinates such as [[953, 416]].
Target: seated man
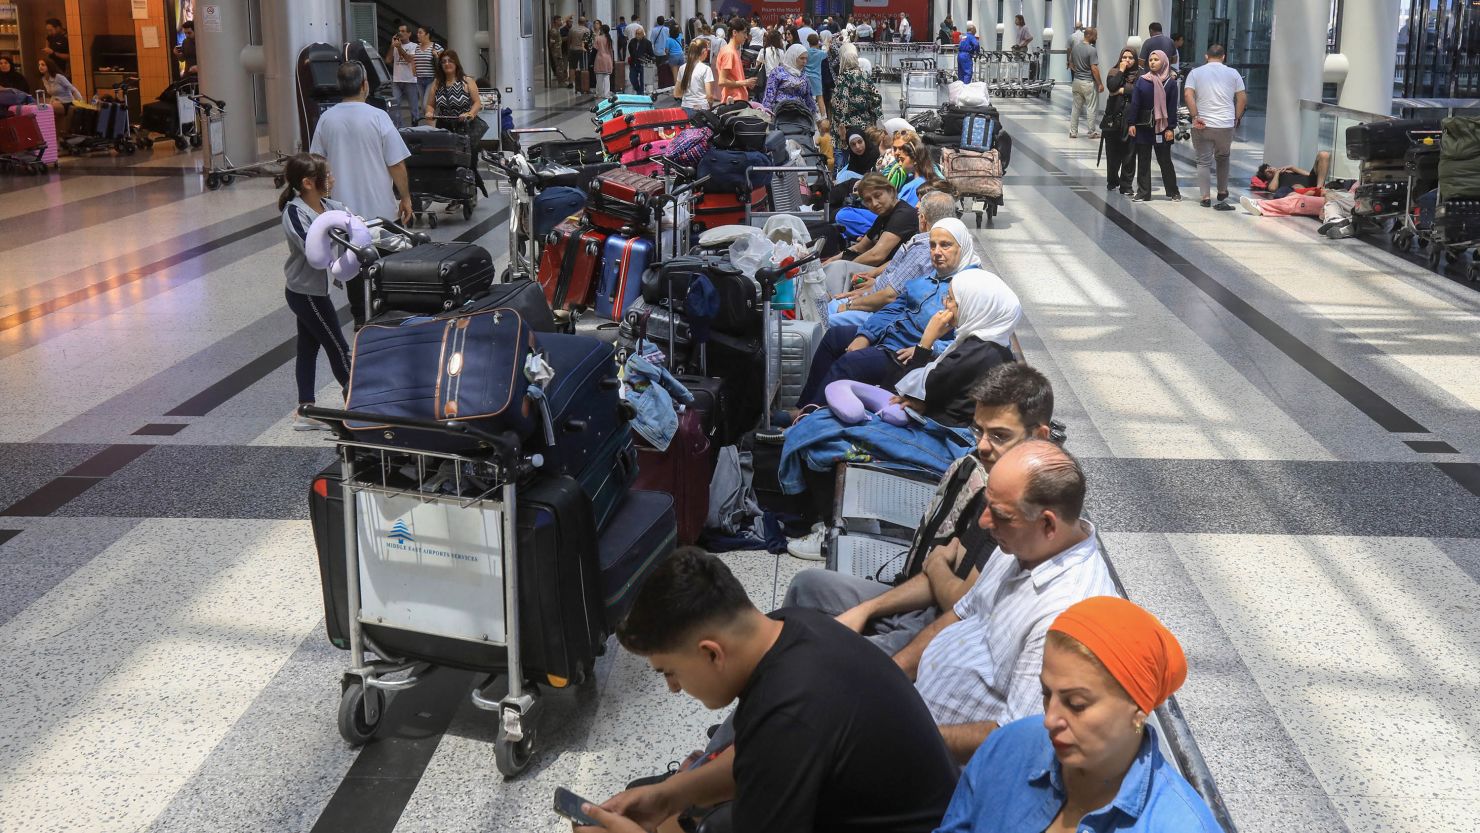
[[896, 222], [828, 735], [1014, 403], [875, 288]]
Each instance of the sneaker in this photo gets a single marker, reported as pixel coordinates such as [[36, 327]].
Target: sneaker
[[1251, 205], [1125, 192], [1206, 202], [1073, 135], [303, 423], [1175, 198], [1111, 186], [1223, 206], [1140, 198], [808, 547], [1095, 135]]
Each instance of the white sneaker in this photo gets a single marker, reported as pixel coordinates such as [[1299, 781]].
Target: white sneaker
[[303, 423], [808, 547], [1251, 205]]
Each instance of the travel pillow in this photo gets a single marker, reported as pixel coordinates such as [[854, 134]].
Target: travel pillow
[[853, 402], [321, 252]]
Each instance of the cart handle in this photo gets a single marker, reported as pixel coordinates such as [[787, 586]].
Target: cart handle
[[769, 276], [776, 169], [522, 131], [505, 444]]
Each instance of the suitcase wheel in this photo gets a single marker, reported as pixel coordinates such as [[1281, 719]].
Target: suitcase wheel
[[360, 712], [180, 143]]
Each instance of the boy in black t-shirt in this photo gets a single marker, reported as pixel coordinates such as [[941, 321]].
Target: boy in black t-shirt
[[830, 734]]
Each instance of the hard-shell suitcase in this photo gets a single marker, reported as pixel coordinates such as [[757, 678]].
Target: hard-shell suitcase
[[584, 81], [435, 148], [725, 208], [557, 174], [799, 341], [1386, 139], [432, 277], [619, 217], [625, 186], [623, 104], [624, 260], [570, 266], [113, 120], [1379, 199], [464, 368], [19, 134], [665, 74], [665, 329], [46, 122], [562, 621], [524, 296], [645, 152], [683, 471], [573, 152], [741, 363], [629, 131], [640, 537]]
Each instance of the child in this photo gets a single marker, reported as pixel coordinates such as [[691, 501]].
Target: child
[[302, 201], [825, 141]]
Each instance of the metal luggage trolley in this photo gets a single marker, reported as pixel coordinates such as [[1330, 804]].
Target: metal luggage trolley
[[457, 590], [768, 277], [524, 249], [1422, 153], [210, 122], [919, 85]]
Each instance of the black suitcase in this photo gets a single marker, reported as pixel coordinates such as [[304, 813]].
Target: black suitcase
[[562, 622], [711, 401], [432, 277], [435, 148], [574, 152], [442, 183], [160, 117], [741, 363], [584, 400], [572, 175], [643, 533], [740, 305], [1422, 162], [1386, 139], [1377, 199]]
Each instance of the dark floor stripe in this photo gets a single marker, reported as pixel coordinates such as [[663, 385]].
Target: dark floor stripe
[[132, 276], [7, 534], [1431, 446], [109, 460], [1366, 400], [475, 233], [161, 429], [53, 495], [1465, 474], [384, 776]]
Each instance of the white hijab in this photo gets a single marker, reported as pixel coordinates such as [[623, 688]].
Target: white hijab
[[964, 240], [789, 60]]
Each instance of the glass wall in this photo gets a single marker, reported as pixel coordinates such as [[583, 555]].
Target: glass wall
[[1242, 26], [1438, 49]]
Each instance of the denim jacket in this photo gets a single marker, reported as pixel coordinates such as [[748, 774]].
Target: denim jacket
[[652, 390], [819, 440], [1014, 783], [902, 322]]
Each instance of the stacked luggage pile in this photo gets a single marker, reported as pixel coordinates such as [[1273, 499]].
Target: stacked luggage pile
[[442, 169], [974, 154], [28, 137], [1456, 223], [1399, 165]]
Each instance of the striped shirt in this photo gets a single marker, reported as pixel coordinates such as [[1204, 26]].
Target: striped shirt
[[986, 666], [426, 60]]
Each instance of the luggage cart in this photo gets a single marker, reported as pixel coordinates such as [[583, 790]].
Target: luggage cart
[[219, 170], [768, 277], [1421, 155], [463, 613], [919, 86]]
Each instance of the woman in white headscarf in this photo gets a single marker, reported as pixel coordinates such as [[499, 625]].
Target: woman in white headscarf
[[788, 82], [981, 311]]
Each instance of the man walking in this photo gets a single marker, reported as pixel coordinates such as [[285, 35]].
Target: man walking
[[1084, 64], [1215, 99], [368, 158]]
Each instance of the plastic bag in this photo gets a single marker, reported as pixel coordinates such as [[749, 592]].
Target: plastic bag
[[787, 228], [973, 94], [751, 252]]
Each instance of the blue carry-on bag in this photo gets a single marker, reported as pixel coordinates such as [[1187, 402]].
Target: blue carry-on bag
[[622, 104], [728, 169], [976, 132], [623, 261], [463, 368], [640, 537]]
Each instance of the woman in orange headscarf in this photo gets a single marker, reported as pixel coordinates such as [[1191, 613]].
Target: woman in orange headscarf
[[1092, 762]]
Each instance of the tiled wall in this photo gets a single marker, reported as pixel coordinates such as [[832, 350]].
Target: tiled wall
[[86, 18]]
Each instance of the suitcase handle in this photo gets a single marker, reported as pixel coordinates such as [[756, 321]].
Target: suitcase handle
[[769, 276], [505, 445]]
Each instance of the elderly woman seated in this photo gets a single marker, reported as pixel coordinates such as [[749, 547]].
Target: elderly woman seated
[[1091, 762]]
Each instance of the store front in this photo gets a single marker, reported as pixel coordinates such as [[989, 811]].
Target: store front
[[108, 42]]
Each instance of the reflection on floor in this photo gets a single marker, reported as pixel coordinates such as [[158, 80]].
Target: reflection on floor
[[1280, 434]]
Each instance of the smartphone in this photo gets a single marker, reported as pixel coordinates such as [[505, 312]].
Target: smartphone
[[569, 804]]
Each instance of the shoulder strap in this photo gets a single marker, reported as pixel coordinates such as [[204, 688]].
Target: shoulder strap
[[926, 535]]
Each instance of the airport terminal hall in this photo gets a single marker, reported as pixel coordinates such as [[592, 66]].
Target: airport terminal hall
[[739, 416]]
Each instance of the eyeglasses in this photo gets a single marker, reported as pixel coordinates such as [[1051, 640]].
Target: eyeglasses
[[999, 438]]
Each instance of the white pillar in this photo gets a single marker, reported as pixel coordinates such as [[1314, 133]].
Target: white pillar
[[1154, 11], [1061, 17], [462, 31], [1113, 25], [285, 31], [1369, 34], [512, 28], [685, 14], [602, 10], [221, 77], [1297, 56], [938, 11], [1033, 17]]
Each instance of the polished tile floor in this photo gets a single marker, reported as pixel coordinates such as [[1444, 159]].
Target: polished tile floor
[[1280, 433]]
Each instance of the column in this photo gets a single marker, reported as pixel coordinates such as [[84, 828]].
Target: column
[[462, 33], [1113, 23], [1033, 16], [285, 31], [1369, 34], [219, 44], [1297, 56], [685, 14], [1061, 17], [512, 29], [1153, 11], [1197, 40], [602, 10]]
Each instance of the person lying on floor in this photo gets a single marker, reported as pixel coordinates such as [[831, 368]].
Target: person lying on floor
[[1013, 403], [873, 289], [882, 349], [828, 735], [1092, 761], [1274, 179]]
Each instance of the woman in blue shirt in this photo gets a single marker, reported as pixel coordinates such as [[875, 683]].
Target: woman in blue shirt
[[1091, 763]]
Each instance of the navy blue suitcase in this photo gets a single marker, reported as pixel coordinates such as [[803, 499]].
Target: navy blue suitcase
[[642, 534], [584, 401], [609, 477], [463, 368]]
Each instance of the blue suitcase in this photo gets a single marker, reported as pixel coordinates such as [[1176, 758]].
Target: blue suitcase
[[623, 261], [642, 534], [463, 368], [622, 104]]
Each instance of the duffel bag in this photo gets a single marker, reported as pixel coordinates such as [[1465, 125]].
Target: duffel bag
[[739, 295], [973, 173], [728, 169], [464, 368], [742, 130], [688, 147]]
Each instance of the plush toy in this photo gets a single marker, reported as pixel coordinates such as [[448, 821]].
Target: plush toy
[[322, 252]]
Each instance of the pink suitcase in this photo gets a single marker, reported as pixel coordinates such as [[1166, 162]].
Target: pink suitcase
[[46, 120]]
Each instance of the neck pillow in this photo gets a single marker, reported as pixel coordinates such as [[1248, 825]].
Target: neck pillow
[[321, 252], [854, 402]]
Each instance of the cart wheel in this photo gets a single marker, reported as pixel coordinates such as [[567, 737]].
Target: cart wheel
[[1472, 272], [431, 219], [513, 757], [353, 727], [127, 148], [180, 143], [195, 141], [227, 179], [1435, 258], [468, 210], [146, 142], [212, 182]]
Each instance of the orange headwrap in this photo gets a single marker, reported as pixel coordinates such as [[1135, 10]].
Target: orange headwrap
[[1137, 649]]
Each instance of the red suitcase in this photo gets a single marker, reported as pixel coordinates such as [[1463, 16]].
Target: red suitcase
[[570, 266], [624, 133], [725, 208], [19, 134], [624, 186], [683, 471]]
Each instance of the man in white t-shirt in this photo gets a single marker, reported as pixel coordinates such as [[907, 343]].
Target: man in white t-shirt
[[1215, 99], [367, 156], [402, 57]]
